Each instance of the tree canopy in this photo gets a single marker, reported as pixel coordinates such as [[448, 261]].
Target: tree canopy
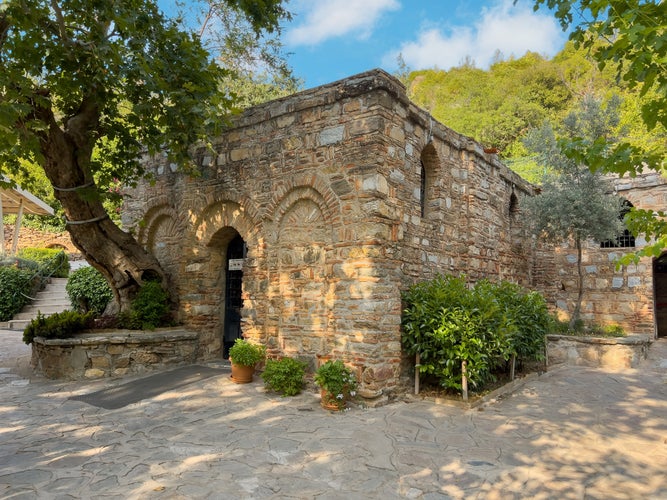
[[87, 87]]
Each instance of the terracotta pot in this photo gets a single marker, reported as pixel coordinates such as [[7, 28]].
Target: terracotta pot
[[242, 374], [329, 402]]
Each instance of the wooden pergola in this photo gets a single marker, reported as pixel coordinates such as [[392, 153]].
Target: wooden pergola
[[17, 201]]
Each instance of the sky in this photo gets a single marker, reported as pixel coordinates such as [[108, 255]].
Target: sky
[[328, 40], [333, 39]]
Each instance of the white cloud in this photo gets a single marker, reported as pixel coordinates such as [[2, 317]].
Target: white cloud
[[511, 29], [326, 19]]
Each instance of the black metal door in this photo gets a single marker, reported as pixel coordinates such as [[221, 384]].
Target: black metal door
[[236, 252]]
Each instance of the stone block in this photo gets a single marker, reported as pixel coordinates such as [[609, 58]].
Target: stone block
[[93, 373]]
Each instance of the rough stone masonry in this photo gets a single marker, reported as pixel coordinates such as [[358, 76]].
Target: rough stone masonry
[[343, 196]]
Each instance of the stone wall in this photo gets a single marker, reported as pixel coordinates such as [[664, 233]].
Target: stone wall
[[344, 195], [113, 354], [614, 353], [622, 296]]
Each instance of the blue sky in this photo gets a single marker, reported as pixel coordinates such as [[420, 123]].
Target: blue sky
[[332, 39]]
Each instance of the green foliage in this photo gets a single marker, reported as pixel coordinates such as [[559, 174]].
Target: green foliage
[[52, 261], [446, 323], [246, 353], [88, 290], [149, 309], [629, 38], [338, 382], [15, 283], [575, 203], [284, 376], [57, 326], [580, 328], [495, 106], [627, 35]]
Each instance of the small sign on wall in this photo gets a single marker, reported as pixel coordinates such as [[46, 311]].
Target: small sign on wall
[[235, 265]]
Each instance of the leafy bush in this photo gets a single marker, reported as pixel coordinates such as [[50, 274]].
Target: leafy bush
[[52, 261], [88, 290], [20, 263], [447, 322], [57, 326], [15, 284], [284, 376], [149, 309], [246, 353]]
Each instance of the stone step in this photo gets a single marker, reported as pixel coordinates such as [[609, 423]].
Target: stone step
[[30, 313], [52, 299]]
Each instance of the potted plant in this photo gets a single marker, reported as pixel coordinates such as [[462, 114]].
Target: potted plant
[[244, 356], [337, 384]]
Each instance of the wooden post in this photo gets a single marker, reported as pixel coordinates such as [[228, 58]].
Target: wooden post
[[17, 228], [417, 359], [512, 366], [464, 379]]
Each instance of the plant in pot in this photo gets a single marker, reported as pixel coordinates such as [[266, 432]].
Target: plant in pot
[[337, 384], [244, 356]]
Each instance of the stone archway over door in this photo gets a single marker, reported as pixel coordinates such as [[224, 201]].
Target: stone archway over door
[[236, 252], [660, 294]]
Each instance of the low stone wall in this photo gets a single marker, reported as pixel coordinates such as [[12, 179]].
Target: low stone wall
[[622, 352], [113, 353]]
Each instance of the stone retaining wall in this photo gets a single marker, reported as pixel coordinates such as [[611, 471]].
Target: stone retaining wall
[[625, 352], [113, 353]]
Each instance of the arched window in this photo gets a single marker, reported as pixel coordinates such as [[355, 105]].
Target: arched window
[[624, 239], [514, 205], [428, 163], [422, 189]]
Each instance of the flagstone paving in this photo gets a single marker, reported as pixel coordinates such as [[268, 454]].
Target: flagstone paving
[[572, 433]]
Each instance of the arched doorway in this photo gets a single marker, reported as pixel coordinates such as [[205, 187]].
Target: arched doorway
[[660, 294], [233, 300]]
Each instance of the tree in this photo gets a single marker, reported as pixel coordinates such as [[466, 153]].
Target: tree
[[630, 36], [575, 203], [86, 87], [257, 68]]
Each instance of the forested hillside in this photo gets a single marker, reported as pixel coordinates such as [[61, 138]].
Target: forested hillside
[[499, 106]]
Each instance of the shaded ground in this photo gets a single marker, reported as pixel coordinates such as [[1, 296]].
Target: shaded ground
[[573, 433]]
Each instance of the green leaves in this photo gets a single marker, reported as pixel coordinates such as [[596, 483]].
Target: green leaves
[[447, 322]]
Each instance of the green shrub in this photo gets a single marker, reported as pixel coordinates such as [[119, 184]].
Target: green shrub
[[88, 290], [16, 285], [446, 323], [20, 263], [149, 309], [284, 376], [52, 261], [57, 326], [246, 353]]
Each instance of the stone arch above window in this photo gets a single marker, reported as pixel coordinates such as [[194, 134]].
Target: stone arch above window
[[624, 239], [429, 163]]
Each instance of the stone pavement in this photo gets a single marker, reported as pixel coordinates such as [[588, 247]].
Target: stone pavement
[[572, 433]]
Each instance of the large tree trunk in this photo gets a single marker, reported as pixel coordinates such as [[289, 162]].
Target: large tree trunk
[[113, 252]]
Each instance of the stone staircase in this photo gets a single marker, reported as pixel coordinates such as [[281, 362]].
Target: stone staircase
[[51, 300]]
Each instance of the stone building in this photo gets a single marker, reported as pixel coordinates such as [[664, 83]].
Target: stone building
[[313, 213], [634, 296]]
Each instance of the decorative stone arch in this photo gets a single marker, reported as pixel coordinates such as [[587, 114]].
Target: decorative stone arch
[[301, 290], [219, 224], [304, 187], [429, 162], [221, 214], [161, 234]]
